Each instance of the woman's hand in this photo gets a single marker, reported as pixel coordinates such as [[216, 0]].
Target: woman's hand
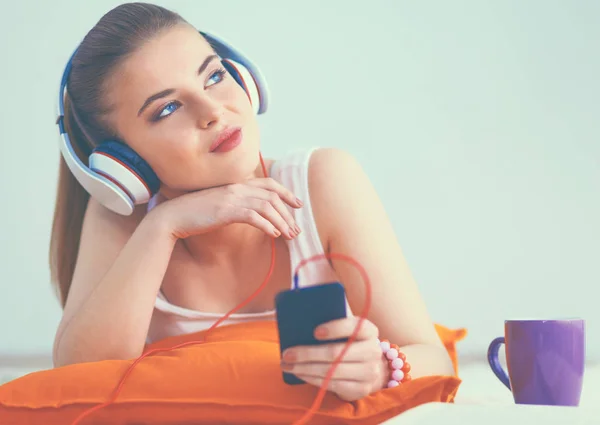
[[362, 371], [260, 202]]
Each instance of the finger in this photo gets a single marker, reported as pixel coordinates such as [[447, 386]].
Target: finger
[[344, 328], [249, 216], [346, 390], [242, 192], [274, 186], [365, 350], [278, 204], [266, 209], [349, 371]]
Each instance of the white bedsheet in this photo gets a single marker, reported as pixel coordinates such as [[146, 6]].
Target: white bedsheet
[[480, 386], [477, 414], [482, 399]]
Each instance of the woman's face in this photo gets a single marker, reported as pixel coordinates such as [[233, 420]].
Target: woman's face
[[171, 100]]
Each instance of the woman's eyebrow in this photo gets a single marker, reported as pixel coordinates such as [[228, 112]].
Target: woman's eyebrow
[[167, 92]]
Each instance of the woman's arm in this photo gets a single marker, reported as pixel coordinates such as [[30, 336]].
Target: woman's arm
[[122, 262], [351, 220], [120, 267]]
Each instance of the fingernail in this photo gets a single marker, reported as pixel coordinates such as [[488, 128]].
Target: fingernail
[[291, 233], [321, 332], [277, 233], [289, 356], [285, 366], [299, 202], [297, 229]]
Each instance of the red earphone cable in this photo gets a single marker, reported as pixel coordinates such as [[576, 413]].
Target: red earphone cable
[[322, 391]]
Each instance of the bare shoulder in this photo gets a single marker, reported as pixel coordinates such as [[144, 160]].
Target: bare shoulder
[[334, 177]]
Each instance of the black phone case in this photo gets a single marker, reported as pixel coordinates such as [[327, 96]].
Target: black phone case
[[300, 311]]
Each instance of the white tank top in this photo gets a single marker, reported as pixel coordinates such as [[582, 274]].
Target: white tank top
[[292, 172]]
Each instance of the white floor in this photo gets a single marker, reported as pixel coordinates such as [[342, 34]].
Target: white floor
[[9, 373]]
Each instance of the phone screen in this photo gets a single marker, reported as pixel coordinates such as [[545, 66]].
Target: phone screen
[[300, 311]]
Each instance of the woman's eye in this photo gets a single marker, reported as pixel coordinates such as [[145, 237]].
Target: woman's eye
[[171, 107], [167, 110], [217, 77]]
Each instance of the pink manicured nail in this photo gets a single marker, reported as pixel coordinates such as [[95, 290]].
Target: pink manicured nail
[[289, 356], [321, 332]]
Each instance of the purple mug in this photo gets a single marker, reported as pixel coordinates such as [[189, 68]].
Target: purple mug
[[545, 360]]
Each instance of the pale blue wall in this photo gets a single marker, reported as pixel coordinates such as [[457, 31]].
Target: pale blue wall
[[475, 121]]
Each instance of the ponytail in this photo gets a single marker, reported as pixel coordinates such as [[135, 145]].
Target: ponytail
[[71, 203]]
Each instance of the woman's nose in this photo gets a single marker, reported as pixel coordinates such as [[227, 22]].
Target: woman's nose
[[210, 113]]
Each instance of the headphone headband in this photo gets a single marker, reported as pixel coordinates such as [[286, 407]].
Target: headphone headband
[[119, 178], [227, 51]]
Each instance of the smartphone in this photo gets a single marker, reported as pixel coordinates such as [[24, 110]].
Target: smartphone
[[300, 311]]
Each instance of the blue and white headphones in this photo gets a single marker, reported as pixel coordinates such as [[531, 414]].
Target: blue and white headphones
[[117, 176]]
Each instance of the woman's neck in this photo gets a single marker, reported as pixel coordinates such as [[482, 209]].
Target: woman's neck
[[228, 245]]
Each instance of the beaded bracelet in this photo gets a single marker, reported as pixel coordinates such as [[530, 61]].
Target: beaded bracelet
[[397, 363]]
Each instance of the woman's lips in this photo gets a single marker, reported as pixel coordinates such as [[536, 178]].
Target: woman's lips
[[228, 140]]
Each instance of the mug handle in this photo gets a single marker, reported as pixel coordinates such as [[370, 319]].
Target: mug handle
[[495, 363]]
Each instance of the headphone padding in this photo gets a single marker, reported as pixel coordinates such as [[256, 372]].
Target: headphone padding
[[130, 159]]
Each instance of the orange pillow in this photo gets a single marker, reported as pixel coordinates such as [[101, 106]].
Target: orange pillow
[[449, 338], [234, 376]]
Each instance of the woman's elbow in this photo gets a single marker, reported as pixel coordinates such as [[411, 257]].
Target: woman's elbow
[[67, 357]]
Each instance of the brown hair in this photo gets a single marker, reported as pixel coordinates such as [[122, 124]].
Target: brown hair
[[116, 36]]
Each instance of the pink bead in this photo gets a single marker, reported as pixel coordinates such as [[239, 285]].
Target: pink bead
[[392, 384], [397, 363], [398, 375], [392, 354], [385, 346]]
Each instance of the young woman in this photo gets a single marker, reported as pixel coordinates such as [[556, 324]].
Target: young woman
[[146, 77]]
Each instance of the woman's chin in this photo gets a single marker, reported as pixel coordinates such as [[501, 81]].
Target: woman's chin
[[224, 171]]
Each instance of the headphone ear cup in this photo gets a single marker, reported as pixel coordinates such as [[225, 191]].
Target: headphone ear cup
[[124, 167], [245, 79]]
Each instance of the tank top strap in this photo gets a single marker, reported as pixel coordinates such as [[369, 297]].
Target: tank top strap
[[292, 171]]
